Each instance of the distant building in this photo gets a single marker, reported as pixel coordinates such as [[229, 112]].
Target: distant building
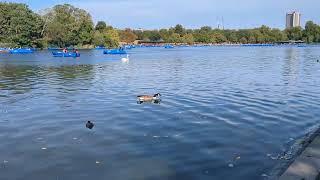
[[293, 19]]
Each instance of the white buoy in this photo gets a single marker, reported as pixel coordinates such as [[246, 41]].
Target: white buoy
[[125, 60]]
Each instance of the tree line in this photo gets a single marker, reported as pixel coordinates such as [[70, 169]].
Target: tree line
[[65, 26], [206, 34]]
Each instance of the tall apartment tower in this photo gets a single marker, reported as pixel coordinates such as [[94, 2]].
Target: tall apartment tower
[[293, 19]]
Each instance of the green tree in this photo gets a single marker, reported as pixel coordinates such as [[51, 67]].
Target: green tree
[[98, 38], [101, 26], [204, 35], [231, 36], [188, 38], [258, 36], [148, 35], [205, 29], [278, 35], [19, 26], [112, 38], [179, 29], [108, 38], [127, 36], [312, 32], [175, 38], [139, 34], [243, 40], [68, 26], [294, 33], [219, 37], [164, 34], [154, 36]]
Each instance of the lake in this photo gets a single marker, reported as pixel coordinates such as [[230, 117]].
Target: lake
[[226, 113]]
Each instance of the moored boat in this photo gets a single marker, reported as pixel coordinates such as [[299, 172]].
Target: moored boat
[[114, 51], [3, 50], [21, 51], [99, 47], [257, 45], [67, 54], [168, 46]]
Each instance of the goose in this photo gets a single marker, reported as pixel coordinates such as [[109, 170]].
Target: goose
[[148, 98], [125, 59], [89, 125]]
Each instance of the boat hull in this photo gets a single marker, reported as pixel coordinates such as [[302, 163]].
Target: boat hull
[[62, 54], [114, 51], [21, 51]]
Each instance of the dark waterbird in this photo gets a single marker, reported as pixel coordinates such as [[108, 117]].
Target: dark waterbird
[[89, 125]]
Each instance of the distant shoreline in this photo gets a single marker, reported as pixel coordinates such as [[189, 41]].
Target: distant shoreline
[[51, 29], [179, 45]]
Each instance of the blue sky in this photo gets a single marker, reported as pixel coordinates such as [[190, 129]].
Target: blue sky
[[154, 14]]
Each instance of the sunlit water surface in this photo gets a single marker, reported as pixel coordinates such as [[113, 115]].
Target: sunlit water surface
[[226, 113]]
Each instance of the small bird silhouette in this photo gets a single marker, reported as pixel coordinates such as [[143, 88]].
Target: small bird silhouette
[[89, 125]]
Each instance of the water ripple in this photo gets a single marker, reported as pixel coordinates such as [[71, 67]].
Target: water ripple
[[224, 110]]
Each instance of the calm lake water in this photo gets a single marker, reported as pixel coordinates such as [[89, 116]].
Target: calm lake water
[[226, 113]]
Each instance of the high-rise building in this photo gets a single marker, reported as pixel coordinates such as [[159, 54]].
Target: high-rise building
[[293, 19]]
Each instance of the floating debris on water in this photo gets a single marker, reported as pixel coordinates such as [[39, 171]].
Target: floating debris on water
[[97, 162], [177, 135], [274, 157], [44, 148], [234, 160], [5, 161], [264, 175], [201, 122], [286, 155], [74, 138]]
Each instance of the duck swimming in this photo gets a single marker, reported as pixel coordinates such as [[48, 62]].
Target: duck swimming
[[149, 98], [89, 125]]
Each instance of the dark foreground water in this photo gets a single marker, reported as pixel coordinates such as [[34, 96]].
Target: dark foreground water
[[226, 113]]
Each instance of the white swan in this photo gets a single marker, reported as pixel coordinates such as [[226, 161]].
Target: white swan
[[125, 59]]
